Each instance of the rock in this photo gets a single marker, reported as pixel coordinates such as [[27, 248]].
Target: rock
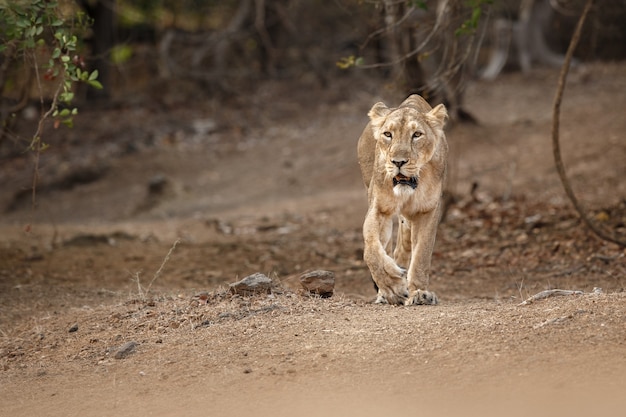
[[74, 328], [125, 350], [319, 282], [252, 284], [158, 185]]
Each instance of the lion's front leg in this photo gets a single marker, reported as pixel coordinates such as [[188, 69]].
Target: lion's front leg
[[388, 276], [423, 233]]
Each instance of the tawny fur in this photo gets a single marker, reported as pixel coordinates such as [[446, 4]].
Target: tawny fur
[[411, 135]]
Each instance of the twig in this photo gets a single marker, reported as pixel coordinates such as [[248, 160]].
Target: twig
[[158, 272], [548, 293], [555, 132], [387, 28], [441, 8], [140, 291], [36, 144]]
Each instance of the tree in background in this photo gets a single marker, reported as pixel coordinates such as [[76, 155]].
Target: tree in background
[[431, 47], [101, 41]]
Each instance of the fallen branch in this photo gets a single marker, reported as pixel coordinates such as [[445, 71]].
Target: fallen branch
[[548, 293], [555, 133]]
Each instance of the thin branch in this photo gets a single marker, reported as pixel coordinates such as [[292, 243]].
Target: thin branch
[[555, 133], [387, 28], [441, 12], [35, 144]]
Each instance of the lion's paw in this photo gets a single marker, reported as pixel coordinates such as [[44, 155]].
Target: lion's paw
[[399, 296], [380, 299], [422, 297]]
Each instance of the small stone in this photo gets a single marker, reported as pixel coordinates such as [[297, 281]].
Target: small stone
[[252, 284], [157, 185], [125, 350], [74, 328], [319, 282]]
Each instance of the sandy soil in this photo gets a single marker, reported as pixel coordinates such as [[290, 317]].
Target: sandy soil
[[147, 211]]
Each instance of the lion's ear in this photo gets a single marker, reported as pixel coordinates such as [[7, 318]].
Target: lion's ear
[[378, 112], [439, 115]]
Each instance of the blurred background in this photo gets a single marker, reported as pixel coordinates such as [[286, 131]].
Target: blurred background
[[171, 52], [158, 95]]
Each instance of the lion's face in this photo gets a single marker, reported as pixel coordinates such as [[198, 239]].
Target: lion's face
[[406, 139]]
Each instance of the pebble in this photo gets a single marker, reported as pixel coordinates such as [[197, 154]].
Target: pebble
[[125, 350]]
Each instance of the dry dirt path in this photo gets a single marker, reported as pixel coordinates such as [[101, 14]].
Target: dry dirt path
[[285, 355]]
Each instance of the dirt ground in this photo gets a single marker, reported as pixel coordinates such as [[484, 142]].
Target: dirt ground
[[116, 302]]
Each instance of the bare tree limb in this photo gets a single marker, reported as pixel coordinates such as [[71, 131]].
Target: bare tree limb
[[259, 24], [555, 133], [392, 26]]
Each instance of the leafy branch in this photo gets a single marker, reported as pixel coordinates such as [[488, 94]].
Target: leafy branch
[[39, 31], [32, 31]]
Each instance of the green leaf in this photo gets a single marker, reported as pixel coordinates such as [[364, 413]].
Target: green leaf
[[476, 17], [121, 54], [95, 84], [22, 23], [346, 62], [66, 97], [94, 75]]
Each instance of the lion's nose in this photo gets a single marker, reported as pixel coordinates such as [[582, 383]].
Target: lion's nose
[[399, 162]]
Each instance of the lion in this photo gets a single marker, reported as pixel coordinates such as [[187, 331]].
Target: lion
[[403, 158]]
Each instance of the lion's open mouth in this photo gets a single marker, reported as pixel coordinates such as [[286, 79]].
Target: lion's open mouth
[[404, 180]]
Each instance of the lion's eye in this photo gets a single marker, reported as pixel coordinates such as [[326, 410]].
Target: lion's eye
[[417, 135], [387, 134]]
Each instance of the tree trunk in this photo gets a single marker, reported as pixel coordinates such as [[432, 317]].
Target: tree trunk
[[102, 42]]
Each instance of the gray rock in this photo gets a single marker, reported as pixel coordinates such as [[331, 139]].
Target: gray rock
[[125, 350], [319, 282], [252, 284]]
